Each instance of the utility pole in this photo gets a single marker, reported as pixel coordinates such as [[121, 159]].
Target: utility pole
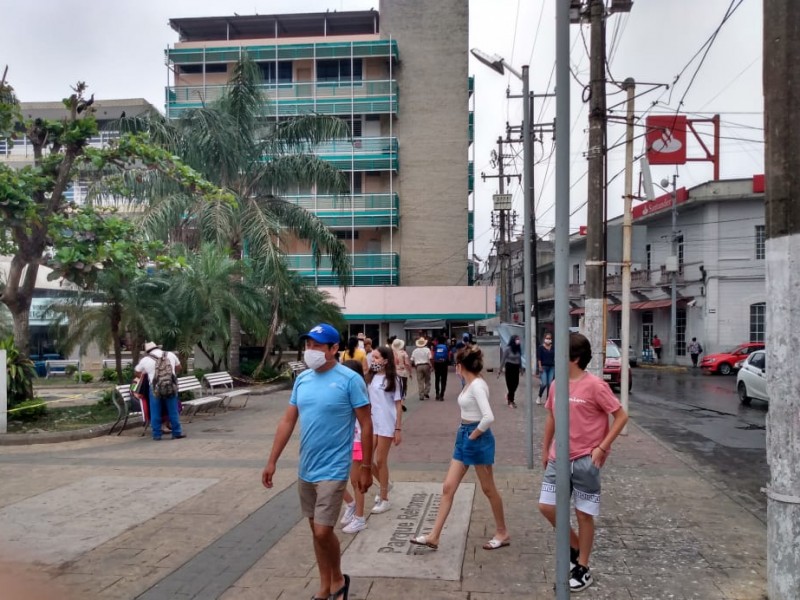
[[674, 266], [595, 255], [630, 87], [782, 212]]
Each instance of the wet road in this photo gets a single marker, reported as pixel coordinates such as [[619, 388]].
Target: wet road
[[700, 415]]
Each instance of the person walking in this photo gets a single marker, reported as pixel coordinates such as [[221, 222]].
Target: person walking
[[511, 363], [354, 352], [162, 369], [695, 350], [546, 361], [386, 399], [590, 402], [441, 363], [657, 347], [327, 399], [403, 366], [421, 361], [353, 520], [474, 446]]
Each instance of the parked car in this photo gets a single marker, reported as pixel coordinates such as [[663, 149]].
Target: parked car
[[612, 370], [724, 363], [751, 380], [633, 358]]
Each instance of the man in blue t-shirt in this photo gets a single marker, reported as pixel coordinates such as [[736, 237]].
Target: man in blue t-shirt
[[327, 399]]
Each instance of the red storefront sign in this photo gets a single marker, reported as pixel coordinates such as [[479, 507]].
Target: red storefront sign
[[666, 139], [661, 203]]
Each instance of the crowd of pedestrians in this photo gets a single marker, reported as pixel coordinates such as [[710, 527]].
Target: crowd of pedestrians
[[351, 415]]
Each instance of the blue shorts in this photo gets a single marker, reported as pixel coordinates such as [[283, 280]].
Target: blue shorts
[[474, 452]]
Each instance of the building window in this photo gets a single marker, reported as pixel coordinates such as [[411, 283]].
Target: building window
[[758, 322], [356, 182], [341, 70], [680, 332], [679, 242], [761, 242], [348, 234], [283, 69], [648, 257], [576, 274], [355, 124]]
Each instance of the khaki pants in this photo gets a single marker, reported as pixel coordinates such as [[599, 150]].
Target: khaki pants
[[424, 381]]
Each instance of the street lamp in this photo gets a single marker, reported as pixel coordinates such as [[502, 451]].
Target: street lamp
[[498, 64]]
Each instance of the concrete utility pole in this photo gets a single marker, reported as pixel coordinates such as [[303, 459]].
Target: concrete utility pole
[[595, 255], [672, 265], [503, 208], [782, 211], [630, 86]]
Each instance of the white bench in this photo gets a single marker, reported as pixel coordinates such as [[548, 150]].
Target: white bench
[[111, 363], [58, 367], [190, 383], [296, 366], [223, 380], [127, 404]]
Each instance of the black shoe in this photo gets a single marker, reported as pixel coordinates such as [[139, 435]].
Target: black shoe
[[404, 408], [180, 436], [580, 578]]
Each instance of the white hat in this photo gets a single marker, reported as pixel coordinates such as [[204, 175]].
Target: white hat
[[150, 346], [398, 344], [421, 342]]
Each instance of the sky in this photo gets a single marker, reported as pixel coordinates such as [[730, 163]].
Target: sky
[[118, 49]]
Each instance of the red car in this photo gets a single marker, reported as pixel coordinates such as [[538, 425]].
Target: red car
[[612, 370], [724, 363]]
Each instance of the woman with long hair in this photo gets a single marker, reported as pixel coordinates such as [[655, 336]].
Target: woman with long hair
[[510, 362], [474, 447], [354, 352], [386, 399], [403, 365], [353, 519]]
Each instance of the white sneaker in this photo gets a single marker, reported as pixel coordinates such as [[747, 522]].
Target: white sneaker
[[538, 399], [378, 495], [349, 511], [381, 507], [355, 525]]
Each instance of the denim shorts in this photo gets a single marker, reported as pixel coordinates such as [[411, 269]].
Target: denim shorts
[[474, 452]]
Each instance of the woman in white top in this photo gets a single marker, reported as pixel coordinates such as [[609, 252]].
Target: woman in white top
[[474, 447], [386, 399]]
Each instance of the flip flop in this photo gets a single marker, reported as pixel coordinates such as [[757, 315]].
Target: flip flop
[[422, 540], [494, 544], [343, 592]]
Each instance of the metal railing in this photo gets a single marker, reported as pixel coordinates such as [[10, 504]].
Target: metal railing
[[367, 269], [22, 148], [356, 210]]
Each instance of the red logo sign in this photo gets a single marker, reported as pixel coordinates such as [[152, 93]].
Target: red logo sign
[[666, 139], [661, 203]]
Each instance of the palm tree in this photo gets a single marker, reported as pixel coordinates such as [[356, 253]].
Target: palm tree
[[235, 145]]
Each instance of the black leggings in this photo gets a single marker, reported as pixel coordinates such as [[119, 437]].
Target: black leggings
[[440, 373], [512, 380]]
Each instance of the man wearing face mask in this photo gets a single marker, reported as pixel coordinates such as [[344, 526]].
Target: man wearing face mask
[[546, 356], [327, 399]]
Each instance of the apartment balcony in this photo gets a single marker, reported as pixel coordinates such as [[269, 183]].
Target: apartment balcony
[[471, 226], [471, 85], [360, 154], [367, 269], [471, 127], [614, 283], [576, 291], [293, 99], [357, 210], [641, 280], [470, 177], [277, 52], [546, 292], [21, 149], [665, 277]]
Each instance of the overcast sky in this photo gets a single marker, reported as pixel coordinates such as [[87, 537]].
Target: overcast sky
[[118, 49]]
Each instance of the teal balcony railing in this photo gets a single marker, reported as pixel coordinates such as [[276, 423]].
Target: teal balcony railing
[[311, 50], [367, 269], [471, 127], [360, 154], [470, 177], [357, 210], [293, 99], [471, 226], [471, 85]]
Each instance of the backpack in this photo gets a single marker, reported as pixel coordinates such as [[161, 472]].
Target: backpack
[[441, 353], [164, 384], [699, 349]]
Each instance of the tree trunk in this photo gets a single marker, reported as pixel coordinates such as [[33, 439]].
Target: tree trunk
[[273, 327], [116, 319], [278, 359], [234, 368], [22, 330]]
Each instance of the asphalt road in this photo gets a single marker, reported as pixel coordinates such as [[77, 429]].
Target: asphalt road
[[700, 415]]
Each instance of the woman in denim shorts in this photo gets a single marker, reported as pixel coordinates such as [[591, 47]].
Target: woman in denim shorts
[[474, 447]]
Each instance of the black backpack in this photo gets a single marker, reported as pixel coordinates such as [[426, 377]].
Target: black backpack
[[164, 384]]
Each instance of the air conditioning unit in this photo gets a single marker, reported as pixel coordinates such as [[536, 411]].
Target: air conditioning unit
[[671, 265]]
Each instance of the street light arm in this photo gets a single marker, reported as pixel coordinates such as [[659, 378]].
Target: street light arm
[[512, 70]]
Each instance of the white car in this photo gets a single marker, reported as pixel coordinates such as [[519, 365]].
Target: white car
[[751, 380]]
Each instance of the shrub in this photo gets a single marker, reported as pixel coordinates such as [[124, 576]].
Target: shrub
[[29, 410], [107, 397], [70, 370], [20, 373], [84, 377], [199, 373], [110, 375]]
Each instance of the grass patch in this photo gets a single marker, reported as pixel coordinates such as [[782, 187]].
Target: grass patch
[[66, 418]]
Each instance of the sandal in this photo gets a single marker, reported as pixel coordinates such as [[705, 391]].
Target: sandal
[[343, 592], [422, 540], [494, 544]]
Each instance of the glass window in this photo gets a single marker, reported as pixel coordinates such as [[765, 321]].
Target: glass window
[[761, 242], [680, 332], [758, 360], [284, 70], [758, 322], [576, 274], [337, 70], [648, 253]]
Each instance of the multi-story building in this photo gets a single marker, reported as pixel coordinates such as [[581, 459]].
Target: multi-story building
[[399, 78]]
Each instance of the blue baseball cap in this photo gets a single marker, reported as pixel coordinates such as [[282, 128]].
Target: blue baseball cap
[[323, 333]]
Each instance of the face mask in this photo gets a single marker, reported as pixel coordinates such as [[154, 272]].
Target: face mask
[[548, 342], [376, 367], [314, 359]]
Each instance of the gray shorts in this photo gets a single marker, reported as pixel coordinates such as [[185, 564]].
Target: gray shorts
[[321, 501], [584, 485]]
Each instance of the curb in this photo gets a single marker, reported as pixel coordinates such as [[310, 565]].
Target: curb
[[665, 368]]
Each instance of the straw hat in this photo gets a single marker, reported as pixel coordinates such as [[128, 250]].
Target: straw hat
[[421, 342], [150, 346], [398, 344]]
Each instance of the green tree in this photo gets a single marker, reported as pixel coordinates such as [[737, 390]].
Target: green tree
[[31, 197], [235, 145]]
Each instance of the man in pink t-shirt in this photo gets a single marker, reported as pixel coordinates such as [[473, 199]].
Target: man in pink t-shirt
[[590, 439]]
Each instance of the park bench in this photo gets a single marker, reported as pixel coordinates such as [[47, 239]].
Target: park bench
[[296, 366], [58, 367], [111, 363], [222, 380], [127, 405], [190, 383]]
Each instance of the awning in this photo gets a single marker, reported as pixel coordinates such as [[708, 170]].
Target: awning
[[577, 311], [649, 305], [424, 324]]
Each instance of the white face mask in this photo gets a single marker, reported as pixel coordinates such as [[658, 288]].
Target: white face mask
[[314, 359]]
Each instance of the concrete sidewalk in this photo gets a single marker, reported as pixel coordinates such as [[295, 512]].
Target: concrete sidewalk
[[129, 518]]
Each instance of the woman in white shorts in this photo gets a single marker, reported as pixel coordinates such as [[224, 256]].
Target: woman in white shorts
[[385, 396]]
